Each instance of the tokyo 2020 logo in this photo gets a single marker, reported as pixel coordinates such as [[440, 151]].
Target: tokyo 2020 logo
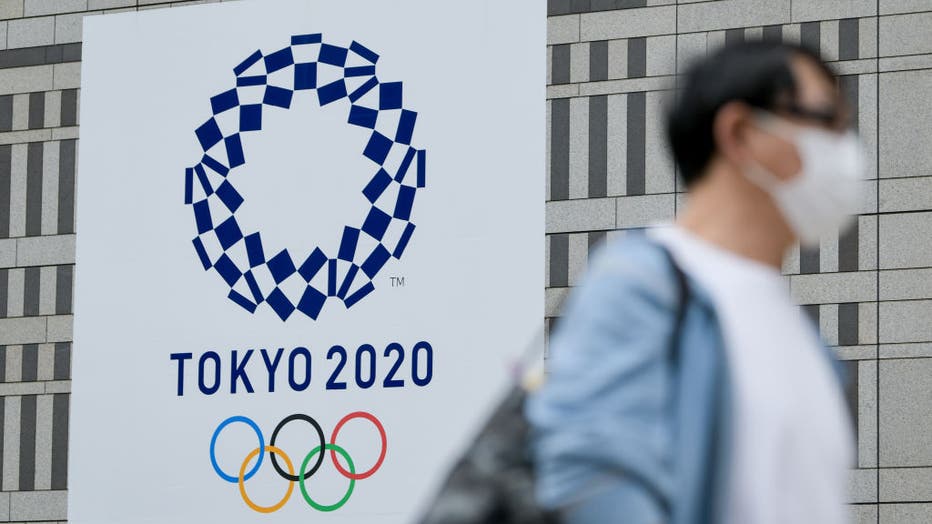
[[314, 458], [254, 271]]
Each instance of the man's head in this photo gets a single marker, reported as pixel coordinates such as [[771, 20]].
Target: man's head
[[768, 118]]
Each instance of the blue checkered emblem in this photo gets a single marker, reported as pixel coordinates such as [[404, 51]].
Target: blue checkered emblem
[[289, 282]]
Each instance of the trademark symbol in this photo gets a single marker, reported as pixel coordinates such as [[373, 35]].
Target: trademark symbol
[[397, 281]]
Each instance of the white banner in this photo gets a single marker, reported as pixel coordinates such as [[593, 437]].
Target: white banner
[[310, 247]]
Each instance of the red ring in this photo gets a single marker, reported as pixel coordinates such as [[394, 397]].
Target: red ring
[[333, 440]]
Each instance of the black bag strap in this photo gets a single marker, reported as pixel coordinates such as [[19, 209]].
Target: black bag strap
[[682, 301], [682, 284]]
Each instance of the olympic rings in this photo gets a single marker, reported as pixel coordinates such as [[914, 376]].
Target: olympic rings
[[352, 483], [242, 487], [320, 434], [378, 463], [213, 444], [304, 473]]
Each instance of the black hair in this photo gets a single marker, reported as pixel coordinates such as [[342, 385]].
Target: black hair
[[757, 73]]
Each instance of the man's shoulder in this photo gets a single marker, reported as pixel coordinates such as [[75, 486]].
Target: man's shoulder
[[635, 255], [624, 272]]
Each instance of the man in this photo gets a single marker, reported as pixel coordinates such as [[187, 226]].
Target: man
[[714, 401]]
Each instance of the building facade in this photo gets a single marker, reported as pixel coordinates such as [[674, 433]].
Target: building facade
[[611, 65]]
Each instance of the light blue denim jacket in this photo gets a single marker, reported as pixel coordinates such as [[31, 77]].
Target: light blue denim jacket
[[621, 432]]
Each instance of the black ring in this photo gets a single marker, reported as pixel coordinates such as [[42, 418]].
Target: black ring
[[320, 456]]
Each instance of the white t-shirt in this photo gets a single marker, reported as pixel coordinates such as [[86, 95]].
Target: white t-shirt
[[792, 442]]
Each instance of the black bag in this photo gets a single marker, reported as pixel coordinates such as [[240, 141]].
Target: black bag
[[493, 482]]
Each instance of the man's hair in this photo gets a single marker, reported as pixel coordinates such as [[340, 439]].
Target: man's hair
[[757, 73]]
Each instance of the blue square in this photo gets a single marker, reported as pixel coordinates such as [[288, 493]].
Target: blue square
[[280, 304], [376, 223], [390, 95], [208, 134], [281, 266], [363, 116], [228, 233], [378, 147], [377, 185], [250, 117], [312, 265], [332, 55], [305, 76], [229, 196], [376, 260], [227, 270], [278, 60], [312, 301], [224, 101], [276, 96], [331, 92]]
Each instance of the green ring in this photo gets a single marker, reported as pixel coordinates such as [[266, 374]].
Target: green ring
[[352, 484]]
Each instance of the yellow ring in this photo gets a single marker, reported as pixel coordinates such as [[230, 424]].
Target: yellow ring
[[242, 486]]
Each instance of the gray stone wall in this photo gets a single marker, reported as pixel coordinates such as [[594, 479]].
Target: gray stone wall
[[611, 63]]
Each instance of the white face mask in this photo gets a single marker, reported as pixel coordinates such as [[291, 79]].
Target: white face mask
[[825, 194]]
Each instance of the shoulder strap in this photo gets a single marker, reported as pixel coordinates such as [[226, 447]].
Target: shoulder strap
[[682, 285]]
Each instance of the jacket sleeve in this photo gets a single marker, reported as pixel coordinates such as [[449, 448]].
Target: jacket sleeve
[[601, 425]]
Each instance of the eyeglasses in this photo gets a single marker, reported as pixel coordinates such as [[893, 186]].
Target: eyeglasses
[[827, 117]]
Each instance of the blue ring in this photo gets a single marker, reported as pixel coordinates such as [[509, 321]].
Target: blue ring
[[213, 443]]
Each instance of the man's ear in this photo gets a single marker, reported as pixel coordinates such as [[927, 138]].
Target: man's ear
[[729, 129]]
